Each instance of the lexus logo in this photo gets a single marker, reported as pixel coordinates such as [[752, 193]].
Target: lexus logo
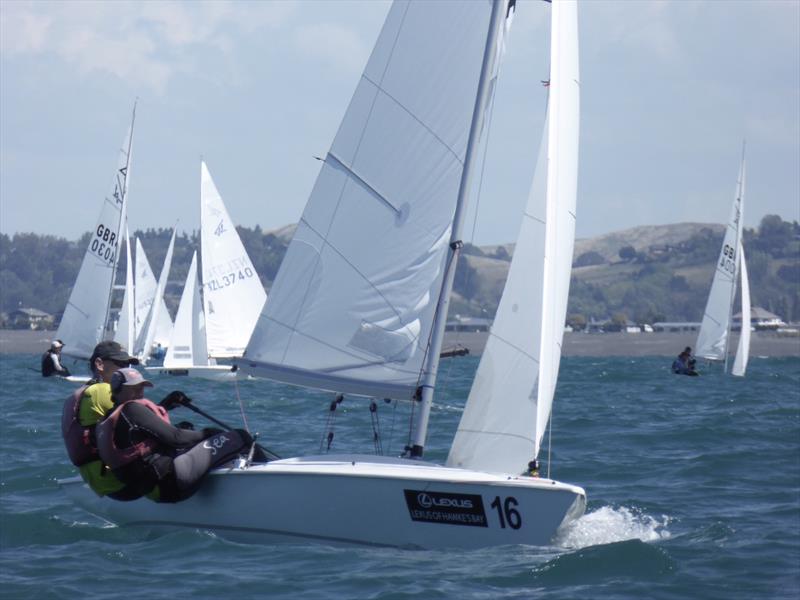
[[424, 500]]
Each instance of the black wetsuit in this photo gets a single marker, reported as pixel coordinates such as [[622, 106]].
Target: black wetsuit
[[177, 473], [49, 366]]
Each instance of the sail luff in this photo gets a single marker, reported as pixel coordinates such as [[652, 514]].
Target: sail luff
[[125, 324], [437, 337]]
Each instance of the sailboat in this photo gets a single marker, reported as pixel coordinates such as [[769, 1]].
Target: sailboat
[[232, 297], [359, 304], [145, 339], [714, 337], [86, 315]]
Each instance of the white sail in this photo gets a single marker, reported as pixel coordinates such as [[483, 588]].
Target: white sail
[[187, 346], [509, 405], [352, 305], [712, 341], [232, 292], [145, 293], [83, 323], [144, 344], [743, 350], [125, 333]]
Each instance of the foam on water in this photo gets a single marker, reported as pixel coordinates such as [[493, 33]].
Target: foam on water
[[608, 525]]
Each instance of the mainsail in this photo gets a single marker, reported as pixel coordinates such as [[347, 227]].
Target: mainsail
[[712, 341], [511, 398], [145, 294], [232, 292], [85, 317], [353, 303]]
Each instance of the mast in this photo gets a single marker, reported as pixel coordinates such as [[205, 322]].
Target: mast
[[121, 195], [736, 269], [431, 365]]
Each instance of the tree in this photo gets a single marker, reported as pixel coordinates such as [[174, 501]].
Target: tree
[[588, 259], [627, 253], [577, 321]]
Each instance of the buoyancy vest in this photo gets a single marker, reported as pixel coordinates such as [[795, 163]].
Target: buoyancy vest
[[79, 439], [48, 368], [116, 457]]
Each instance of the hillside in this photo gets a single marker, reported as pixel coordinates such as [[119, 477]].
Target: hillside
[[646, 274]]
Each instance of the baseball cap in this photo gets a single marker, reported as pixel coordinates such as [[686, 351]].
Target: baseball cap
[[109, 350], [57, 344], [128, 377]]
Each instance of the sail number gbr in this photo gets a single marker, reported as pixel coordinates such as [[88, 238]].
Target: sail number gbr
[[104, 244], [727, 260]]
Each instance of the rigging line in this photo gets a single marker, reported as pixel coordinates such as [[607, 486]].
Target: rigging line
[[549, 443], [241, 405]]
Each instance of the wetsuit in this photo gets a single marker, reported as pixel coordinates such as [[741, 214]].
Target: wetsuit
[[175, 461]]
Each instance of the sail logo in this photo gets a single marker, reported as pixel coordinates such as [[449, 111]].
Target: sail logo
[[220, 229], [445, 508]]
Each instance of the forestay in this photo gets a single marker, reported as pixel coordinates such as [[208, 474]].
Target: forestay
[[712, 341], [509, 405], [743, 350], [85, 316], [232, 292], [187, 346], [353, 303]]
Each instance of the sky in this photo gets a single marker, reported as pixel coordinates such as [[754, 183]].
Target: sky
[[669, 90]]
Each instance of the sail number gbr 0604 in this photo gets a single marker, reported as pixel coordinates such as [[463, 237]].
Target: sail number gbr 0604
[[104, 244]]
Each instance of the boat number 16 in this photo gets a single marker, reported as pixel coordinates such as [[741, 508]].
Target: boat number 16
[[508, 515]]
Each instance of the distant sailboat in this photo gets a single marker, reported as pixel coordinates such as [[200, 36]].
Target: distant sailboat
[[145, 285], [714, 337], [360, 303], [126, 324], [232, 297], [146, 338], [86, 316]]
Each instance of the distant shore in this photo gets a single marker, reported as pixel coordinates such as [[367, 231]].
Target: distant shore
[[22, 341]]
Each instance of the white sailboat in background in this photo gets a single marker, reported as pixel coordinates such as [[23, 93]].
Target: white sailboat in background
[[360, 301], [86, 315], [125, 333], [145, 293], [145, 340], [714, 337], [232, 297]]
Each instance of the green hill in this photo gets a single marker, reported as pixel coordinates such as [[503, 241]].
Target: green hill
[[646, 274]]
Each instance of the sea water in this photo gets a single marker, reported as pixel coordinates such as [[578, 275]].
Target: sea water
[[693, 491]]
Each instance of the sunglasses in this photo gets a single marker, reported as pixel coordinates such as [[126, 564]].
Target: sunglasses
[[120, 363]]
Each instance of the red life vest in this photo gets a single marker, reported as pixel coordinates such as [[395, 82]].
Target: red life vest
[[118, 457], [78, 439]]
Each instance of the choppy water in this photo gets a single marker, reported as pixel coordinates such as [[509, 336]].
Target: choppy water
[[693, 488]]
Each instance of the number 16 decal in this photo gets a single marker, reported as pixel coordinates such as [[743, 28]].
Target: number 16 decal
[[507, 513]]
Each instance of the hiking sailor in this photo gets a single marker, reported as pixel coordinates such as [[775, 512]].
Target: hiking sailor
[[144, 450]]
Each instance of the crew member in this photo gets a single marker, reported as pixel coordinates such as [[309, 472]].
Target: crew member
[[89, 405], [51, 361], [685, 363], [149, 455]]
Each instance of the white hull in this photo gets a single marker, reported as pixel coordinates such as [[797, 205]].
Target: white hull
[[355, 499], [212, 372]]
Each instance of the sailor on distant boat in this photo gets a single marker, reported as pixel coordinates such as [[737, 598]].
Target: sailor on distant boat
[[144, 450], [685, 363], [51, 361]]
